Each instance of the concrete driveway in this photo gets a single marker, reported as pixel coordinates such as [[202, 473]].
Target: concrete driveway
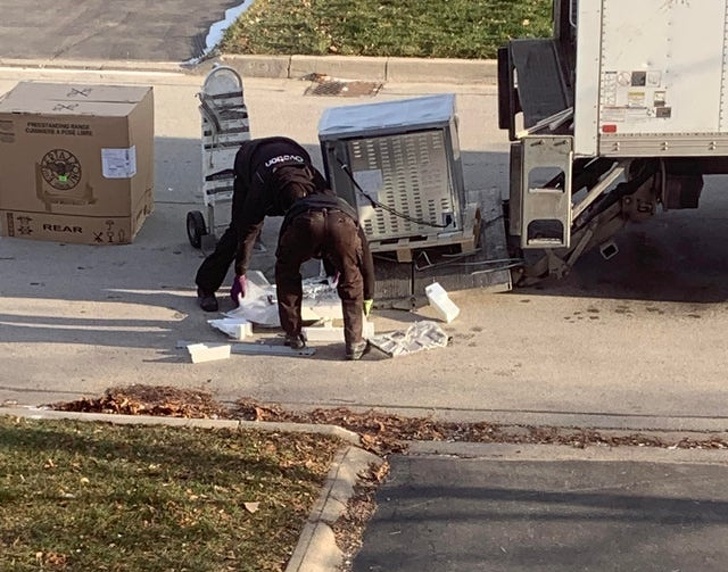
[[637, 341]]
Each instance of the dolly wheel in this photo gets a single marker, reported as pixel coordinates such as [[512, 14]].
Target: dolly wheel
[[196, 228]]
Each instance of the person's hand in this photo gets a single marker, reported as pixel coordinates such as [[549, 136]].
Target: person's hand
[[237, 291], [368, 307]]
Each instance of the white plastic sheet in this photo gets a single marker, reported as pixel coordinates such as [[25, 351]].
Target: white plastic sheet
[[260, 305]]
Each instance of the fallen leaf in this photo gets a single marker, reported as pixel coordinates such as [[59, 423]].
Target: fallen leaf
[[251, 507]]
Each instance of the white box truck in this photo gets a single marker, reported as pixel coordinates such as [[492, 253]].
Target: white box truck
[[622, 112]]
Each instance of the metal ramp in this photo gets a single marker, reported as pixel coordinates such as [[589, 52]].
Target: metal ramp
[[531, 80], [541, 86]]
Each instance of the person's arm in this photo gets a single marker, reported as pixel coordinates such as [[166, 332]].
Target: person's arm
[[367, 266]]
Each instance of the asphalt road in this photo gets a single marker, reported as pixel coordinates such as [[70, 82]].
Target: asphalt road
[[469, 508], [160, 30]]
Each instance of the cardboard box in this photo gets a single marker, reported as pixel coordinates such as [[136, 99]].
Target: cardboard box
[[77, 162]]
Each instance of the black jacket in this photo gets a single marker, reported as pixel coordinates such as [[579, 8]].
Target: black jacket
[[263, 168]]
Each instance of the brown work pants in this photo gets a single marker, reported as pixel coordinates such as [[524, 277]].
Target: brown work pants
[[330, 234]]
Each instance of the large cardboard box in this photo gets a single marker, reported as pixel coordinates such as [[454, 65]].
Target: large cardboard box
[[77, 162]]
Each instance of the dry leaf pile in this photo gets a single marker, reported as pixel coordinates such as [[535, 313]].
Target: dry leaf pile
[[380, 433], [161, 401]]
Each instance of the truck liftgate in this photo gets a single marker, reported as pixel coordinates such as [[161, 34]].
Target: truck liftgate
[[622, 111]]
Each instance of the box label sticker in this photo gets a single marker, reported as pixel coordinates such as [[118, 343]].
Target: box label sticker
[[119, 163]]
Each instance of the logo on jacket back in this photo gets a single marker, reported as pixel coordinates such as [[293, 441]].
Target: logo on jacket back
[[284, 159]]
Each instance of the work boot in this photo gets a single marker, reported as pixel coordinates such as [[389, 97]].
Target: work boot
[[295, 341], [356, 351], [207, 302]]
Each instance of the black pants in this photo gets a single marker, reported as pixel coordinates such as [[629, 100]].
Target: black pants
[[214, 268], [328, 234]]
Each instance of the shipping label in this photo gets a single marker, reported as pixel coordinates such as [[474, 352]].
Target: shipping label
[[119, 163]]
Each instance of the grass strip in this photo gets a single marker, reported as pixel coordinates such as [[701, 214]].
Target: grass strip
[[467, 29], [94, 496]]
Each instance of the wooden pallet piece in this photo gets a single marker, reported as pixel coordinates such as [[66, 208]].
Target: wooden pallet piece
[[404, 248]]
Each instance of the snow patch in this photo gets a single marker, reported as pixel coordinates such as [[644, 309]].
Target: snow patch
[[217, 30]]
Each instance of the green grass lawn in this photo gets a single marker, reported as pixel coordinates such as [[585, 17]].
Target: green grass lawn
[[92, 496], [407, 28]]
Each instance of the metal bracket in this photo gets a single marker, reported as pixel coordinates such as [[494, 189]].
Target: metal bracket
[[598, 189], [270, 350], [261, 349]]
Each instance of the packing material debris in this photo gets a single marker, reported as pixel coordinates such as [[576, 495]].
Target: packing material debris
[[260, 304], [440, 301], [258, 307], [201, 353], [424, 335], [320, 300], [235, 328]]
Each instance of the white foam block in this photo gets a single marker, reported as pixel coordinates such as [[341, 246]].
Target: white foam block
[[200, 353], [236, 328], [329, 333], [440, 301]]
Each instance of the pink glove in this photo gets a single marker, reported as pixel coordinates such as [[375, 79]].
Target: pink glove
[[240, 285]]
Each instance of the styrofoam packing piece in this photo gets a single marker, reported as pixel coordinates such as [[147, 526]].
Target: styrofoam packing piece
[[321, 309], [235, 328], [440, 301], [330, 333], [201, 353], [323, 334]]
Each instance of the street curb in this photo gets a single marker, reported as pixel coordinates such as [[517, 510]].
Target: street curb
[[94, 65], [386, 70], [560, 453], [316, 549], [379, 69], [39, 413]]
